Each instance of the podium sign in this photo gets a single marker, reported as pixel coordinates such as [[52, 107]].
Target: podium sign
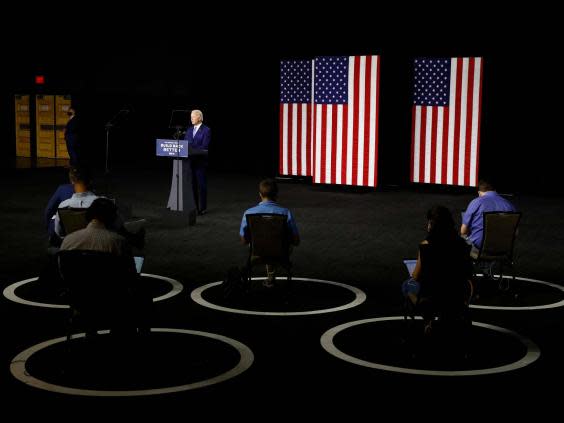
[[181, 197], [172, 148]]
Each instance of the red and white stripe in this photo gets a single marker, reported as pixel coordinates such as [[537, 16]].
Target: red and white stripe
[[345, 136], [295, 139], [446, 140]]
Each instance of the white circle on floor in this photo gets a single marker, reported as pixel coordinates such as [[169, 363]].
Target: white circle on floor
[[18, 369], [10, 292], [537, 307], [360, 297], [533, 352]]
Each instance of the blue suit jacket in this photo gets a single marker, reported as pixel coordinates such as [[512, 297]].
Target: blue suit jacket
[[201, 142], [202, 139]]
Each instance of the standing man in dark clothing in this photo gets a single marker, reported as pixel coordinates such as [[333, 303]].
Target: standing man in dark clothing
[[72, 137], [199, 137]]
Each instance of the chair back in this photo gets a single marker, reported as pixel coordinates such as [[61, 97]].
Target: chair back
[[445, 270], [72, 219], [270, 237], [98, 284], [446, 288], [500, 229]]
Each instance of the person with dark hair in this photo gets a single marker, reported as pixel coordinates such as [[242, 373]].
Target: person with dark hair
[[82, 197], [62, 193], [268, 193], [443, 269], [97, 236], [199, 137], [488, 200], [72, 137]]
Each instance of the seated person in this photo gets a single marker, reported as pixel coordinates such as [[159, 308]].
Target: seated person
[[268, 193], [82, 198], [63, 192], [98, 237], [488, 200], [443, 270]]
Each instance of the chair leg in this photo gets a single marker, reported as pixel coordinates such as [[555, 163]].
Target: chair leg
[[489, 271], [270, 276], [248, 276], [71, 324], [502, 285], [517, 287], [287, 288], [411, 338], [289, 277]]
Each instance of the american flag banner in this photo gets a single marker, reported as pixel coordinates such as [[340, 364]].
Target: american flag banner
[[295, 117], [345, 120], [445, 140]]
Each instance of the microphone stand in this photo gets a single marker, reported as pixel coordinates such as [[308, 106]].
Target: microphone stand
[[106, 179], [109, 125], [113, 122]]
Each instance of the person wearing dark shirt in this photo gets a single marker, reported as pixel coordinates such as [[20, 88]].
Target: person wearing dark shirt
[[72, 138], [443, 271]]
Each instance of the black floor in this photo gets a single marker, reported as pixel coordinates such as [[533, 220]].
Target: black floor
[[353, 237]]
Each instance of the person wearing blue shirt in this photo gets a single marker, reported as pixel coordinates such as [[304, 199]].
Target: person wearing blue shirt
[[268, 193], [63, 193], [488, 201], [199, 136]]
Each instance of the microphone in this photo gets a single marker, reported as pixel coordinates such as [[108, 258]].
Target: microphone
[[119, 118]]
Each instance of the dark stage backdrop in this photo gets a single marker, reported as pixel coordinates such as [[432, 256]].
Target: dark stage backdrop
[[152, 67]]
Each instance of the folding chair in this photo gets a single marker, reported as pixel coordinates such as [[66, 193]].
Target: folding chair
[[72, 219], [269, 242], [104, 292], [446, 288], [500, 230]]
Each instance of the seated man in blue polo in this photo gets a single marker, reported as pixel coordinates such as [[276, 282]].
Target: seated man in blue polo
[[473, 220], [268, 192]]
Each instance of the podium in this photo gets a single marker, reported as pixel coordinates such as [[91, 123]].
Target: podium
[[181, 196]]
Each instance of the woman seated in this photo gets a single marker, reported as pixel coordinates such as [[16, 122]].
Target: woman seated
[[441, 282]]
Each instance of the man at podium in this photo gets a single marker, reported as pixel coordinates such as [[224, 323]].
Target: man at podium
[[199, 136]]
